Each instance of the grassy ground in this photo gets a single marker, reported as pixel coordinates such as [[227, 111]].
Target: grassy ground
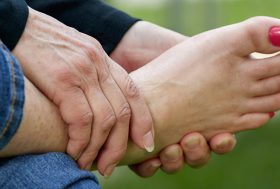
[[254, 164]]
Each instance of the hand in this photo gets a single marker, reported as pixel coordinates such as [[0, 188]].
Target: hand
[[74, 72], [229, 92], [142, 43], [193, 150]]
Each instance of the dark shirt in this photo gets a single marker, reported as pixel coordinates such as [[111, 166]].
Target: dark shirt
[[13, 16], [92, 17]]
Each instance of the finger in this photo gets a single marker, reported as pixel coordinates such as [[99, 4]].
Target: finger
[[223, 143], [252, 121], [113, 151], [267, 87], [79, 120], [104, 120], [116, 143], [264, 104], [147, 168], [141, 130], [172, 159], [196, 150], [117, 140]]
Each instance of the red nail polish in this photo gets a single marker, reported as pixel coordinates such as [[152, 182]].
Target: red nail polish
[[271, 114], [274, 35]]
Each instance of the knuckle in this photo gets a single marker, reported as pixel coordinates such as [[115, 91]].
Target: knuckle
[[97, 45], [117, 155], [86, 118], [104, 76], [124, 113], [84, 66], [82, 143], [91, 154], [108, 121], [97, 55], [94, 51], [131, 89], [66, 76]]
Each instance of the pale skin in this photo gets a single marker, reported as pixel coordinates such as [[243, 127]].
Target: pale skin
[[72, 70], [142, 43], [245, 88], [57, 59], [64, 56]]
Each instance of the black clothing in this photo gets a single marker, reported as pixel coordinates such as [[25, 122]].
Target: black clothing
[[93, 17]]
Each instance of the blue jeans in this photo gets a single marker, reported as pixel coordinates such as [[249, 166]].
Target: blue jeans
[[45, 171]]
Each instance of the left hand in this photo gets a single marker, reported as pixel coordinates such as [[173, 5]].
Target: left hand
[[96, 97], [142, 43]]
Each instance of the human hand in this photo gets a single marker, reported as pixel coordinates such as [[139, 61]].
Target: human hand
[[193, 150], [142, 43], [73, 71], [229, 92]]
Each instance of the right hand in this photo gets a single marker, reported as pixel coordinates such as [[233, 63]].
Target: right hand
[[72, 70], [193, 150]]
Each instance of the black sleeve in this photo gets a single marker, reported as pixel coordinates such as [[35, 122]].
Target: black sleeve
[[13, 17], [93, 17]]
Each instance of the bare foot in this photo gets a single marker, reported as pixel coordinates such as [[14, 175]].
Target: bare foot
[[210, 84]]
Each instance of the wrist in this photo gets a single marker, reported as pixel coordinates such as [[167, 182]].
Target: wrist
[[142, 43]]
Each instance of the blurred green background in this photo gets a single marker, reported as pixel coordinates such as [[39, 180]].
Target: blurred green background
[[255, 163]]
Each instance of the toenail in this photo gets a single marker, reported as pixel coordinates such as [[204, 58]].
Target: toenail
[[274, 35], [271, 114], [193, 143]]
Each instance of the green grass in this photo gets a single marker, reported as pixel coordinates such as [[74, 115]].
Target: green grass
[[254, 164]]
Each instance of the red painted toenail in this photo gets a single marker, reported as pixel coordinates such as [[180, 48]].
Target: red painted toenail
[[274, 35], [271, 114]]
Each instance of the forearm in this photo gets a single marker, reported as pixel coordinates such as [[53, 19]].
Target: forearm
[[42, 129]]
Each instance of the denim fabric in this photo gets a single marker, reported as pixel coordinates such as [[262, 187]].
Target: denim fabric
[[11, 95], [46, 171]]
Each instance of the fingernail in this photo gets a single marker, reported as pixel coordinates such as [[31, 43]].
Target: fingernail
[[223, 145], [77, 156], [172, 155], [88, 166], [109, 170], [156, 164], [274, 35], [148, 140], [193, 142], [271, 114]]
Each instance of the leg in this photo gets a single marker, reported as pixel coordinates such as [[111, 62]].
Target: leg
[[51, 170]]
